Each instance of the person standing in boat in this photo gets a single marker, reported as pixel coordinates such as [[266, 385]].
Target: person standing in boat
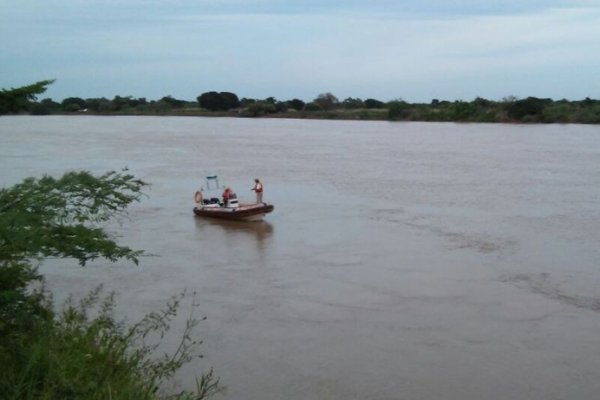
[[226, 196], [258, 189]]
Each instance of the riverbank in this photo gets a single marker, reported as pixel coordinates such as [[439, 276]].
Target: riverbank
[[519, 111], [325, 106]]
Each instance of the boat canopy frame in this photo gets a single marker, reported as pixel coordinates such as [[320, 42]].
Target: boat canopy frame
[[212, 178]]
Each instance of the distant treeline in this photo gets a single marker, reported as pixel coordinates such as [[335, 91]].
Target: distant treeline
[[325, 106]]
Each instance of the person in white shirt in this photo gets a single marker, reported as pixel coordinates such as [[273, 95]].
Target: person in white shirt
[[258, 189]]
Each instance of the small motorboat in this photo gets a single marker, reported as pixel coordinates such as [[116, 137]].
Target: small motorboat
[[244, 212], [213, 207]]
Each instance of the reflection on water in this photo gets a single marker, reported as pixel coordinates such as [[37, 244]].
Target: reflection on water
[[260, 229]]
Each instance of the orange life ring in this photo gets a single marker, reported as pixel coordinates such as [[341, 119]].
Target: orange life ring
[[198, 197]]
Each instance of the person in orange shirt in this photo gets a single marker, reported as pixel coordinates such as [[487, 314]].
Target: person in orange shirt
[[258, 189], [226, 194]]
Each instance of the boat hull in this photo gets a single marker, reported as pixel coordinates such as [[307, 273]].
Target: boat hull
[[254, 212]]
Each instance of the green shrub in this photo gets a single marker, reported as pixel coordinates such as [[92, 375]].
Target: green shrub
[[72, 355], [81, 357]]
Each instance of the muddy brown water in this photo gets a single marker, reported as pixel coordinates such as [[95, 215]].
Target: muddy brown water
[[402, 261]]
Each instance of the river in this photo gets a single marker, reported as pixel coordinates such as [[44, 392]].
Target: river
[[402, 261]]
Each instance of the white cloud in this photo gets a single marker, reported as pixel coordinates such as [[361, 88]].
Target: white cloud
[[263, 48]]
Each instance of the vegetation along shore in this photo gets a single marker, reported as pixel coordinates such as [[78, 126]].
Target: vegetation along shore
[[324, 106]]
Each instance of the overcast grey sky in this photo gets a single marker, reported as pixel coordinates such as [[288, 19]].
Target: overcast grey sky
[[414, 50]]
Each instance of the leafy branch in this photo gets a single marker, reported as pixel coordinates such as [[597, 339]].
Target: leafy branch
[[58, 217]]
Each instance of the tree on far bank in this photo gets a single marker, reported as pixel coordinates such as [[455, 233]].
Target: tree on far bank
[[373, 103], [397, 109], [353, 103], [326, 101], [218, 101], [45, 107], [175, 103], [73, 104], [296, 104], [531, 107]]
